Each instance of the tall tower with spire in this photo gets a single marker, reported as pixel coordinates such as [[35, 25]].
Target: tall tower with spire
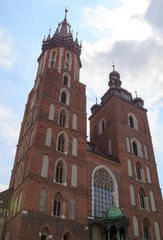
[[63, 187], [47, 177]]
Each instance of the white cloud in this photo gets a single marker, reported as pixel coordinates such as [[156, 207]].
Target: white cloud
[[9, 127], [126, 22], [7, 54], [3, 187]]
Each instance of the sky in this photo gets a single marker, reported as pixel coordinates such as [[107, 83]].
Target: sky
[[126, 32]]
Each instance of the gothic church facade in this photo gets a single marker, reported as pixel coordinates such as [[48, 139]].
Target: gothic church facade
[[62, 187]]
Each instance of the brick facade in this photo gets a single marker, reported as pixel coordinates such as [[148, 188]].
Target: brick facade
[[42, 194]]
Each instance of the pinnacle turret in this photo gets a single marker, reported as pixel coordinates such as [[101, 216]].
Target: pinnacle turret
[[63, 36]]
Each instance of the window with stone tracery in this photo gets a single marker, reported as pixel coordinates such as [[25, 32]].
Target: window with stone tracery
[[103, 191]]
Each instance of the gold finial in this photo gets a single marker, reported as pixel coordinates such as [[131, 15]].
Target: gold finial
[[49, 31], [66, 11], [76, 34]]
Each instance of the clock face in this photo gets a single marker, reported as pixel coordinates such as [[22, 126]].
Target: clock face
[[1, 210]]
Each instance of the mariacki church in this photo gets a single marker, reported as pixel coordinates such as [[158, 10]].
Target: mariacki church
[[65, 188]]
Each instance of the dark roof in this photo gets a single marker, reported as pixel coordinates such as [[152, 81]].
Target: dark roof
[[97, 151]]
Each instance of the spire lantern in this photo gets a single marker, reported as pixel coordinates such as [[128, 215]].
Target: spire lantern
[[114, 78]]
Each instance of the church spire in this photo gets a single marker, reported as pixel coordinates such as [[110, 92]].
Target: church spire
[[63, 36]]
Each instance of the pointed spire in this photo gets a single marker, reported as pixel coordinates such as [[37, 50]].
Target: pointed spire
[[66, 11], [113, 66]]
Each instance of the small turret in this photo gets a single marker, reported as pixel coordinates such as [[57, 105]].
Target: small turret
[[114, 78]]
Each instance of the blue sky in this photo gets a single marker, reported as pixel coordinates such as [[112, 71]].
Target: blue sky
[[126, 32]]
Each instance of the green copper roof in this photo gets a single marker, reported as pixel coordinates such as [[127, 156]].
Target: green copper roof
[[113, 212]]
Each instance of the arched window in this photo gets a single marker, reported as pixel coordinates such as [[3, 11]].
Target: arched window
[[157, 231], [129, 167], [53, 55], [52, 64], [132, 121], [136, 226], [51, 112], [143, 200], [45, 166], [102, 125], [74, 147], [43, 200], [44, 234], [65, 80], [59, 172], [153, 205], [57, 206], [74, 121], [103, 191], [65, 237], [132, 195], [63, 97], [146, 229], [73, 208], [74, 176], [67, 57], [139, 172], [66, 65], [48, 137], [135, 149], [62, 143], [62, 118]]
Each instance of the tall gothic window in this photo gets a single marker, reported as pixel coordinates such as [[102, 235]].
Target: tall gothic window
[[61, 142], [63, 97], [142, 199], [135, 148], [65, 80], [146, 230], [62, 118], [52, 64], [57, 206], [59, 172], [103, 190], [53, 56], [131, 122]]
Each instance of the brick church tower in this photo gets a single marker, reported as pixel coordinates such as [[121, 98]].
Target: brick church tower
[[63, 187]]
